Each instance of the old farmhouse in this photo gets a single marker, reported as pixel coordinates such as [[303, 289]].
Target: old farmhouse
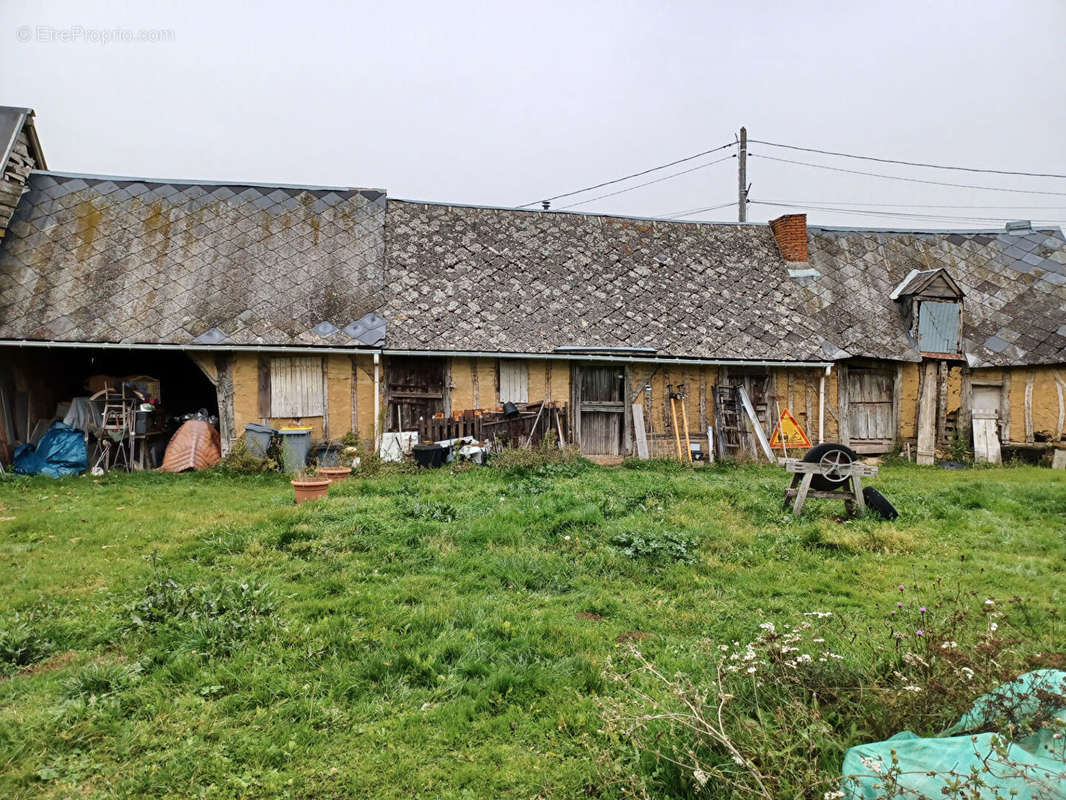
[[356, 312]]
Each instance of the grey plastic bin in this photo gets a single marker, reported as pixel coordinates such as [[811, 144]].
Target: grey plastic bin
[[257, 438], [295, 445]]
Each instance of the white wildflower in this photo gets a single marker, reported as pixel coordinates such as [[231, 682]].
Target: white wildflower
[[990, 602], [724, 648], [768, 626], [992, 626], [912, 688], [751, 670], [948, 645], [701, 777]]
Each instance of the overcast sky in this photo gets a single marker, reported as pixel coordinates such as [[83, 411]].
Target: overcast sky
[[502, 103]]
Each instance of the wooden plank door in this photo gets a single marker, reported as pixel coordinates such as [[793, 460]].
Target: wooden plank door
[[871, 417], [415, 388], [601, 409]]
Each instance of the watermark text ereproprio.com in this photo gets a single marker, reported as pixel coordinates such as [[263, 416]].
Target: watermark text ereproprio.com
[[83, 34]]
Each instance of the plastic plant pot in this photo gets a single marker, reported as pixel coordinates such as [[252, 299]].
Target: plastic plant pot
[[335, 474], [310, 489]]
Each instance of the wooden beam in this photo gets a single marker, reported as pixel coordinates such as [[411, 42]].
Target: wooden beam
[[966, 403], [760, 434], [355, 396], [942, 371], [1029, 378], [897, 395], [264, 388], [639, 434], [843, 402], [927, 414], [325, 398], [1060, 388], [1004, 406], [224, 392]]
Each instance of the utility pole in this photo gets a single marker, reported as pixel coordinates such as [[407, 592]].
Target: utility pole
[[742, 177]]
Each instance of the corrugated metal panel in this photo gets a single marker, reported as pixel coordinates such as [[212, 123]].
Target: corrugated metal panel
[[514, 381], [938, 327], [296, 387]]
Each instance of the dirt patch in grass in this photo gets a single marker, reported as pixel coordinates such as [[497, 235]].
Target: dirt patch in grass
[[58, 661]]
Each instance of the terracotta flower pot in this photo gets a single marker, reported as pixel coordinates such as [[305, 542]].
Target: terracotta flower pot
[[310, 489], [335, 474]]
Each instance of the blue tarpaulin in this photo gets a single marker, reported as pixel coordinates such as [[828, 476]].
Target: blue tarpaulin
[[60, 452]]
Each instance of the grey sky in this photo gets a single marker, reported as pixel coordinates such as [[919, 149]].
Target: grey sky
[[503, 103]]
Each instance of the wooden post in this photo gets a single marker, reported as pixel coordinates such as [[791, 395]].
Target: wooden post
[[264, 389], [842, 403], [742, 177], [355, 397], [224, 392], [639, 433], [1029, 377], [942, 371], [325, 398], [1060, 389], [927, 414]]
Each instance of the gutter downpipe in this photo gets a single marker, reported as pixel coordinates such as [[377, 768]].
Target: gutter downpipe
[[377, 402], [821, 404]]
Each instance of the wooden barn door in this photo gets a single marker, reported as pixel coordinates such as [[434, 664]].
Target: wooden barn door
[[871, 410], [600, 407], [415, 391]]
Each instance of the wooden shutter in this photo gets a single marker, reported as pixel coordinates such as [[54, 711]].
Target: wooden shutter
[[296, 387], [514, 381], [938, 327]]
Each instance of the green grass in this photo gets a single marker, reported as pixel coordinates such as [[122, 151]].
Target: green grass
[[441, 634]]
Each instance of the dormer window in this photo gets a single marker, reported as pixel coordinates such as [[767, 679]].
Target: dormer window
[[932, 303], [938, 326]]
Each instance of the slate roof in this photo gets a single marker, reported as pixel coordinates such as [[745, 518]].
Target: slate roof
[[93, 259], [482, 279], [1014, 287], [96, 259], [470, 278]]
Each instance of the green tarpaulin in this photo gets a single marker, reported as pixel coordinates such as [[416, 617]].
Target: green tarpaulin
[[975, 753]]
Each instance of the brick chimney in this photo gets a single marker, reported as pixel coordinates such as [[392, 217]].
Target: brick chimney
[[790, 231]]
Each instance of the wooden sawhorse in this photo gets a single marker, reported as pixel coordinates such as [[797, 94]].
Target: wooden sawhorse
[[849, 477]]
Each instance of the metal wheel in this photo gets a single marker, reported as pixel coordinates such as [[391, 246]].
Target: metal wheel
[[834, 465]]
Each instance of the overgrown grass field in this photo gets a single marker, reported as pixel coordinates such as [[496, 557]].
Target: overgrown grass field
[[447, 633]]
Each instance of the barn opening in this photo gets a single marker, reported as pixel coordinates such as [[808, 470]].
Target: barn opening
[[39, 385]]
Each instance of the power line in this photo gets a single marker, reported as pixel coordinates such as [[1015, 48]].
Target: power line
[[899, 214], [688, 212], [627, 177], [920, 205], [910, 163], [909, 180], [648, 183]]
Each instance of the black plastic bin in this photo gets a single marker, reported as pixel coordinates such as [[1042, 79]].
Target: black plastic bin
[[428, 455]]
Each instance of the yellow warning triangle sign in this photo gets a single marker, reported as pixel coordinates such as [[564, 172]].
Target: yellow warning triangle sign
[[788, 433]]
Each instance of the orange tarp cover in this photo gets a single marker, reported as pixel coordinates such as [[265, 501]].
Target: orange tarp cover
[[195, 445]]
